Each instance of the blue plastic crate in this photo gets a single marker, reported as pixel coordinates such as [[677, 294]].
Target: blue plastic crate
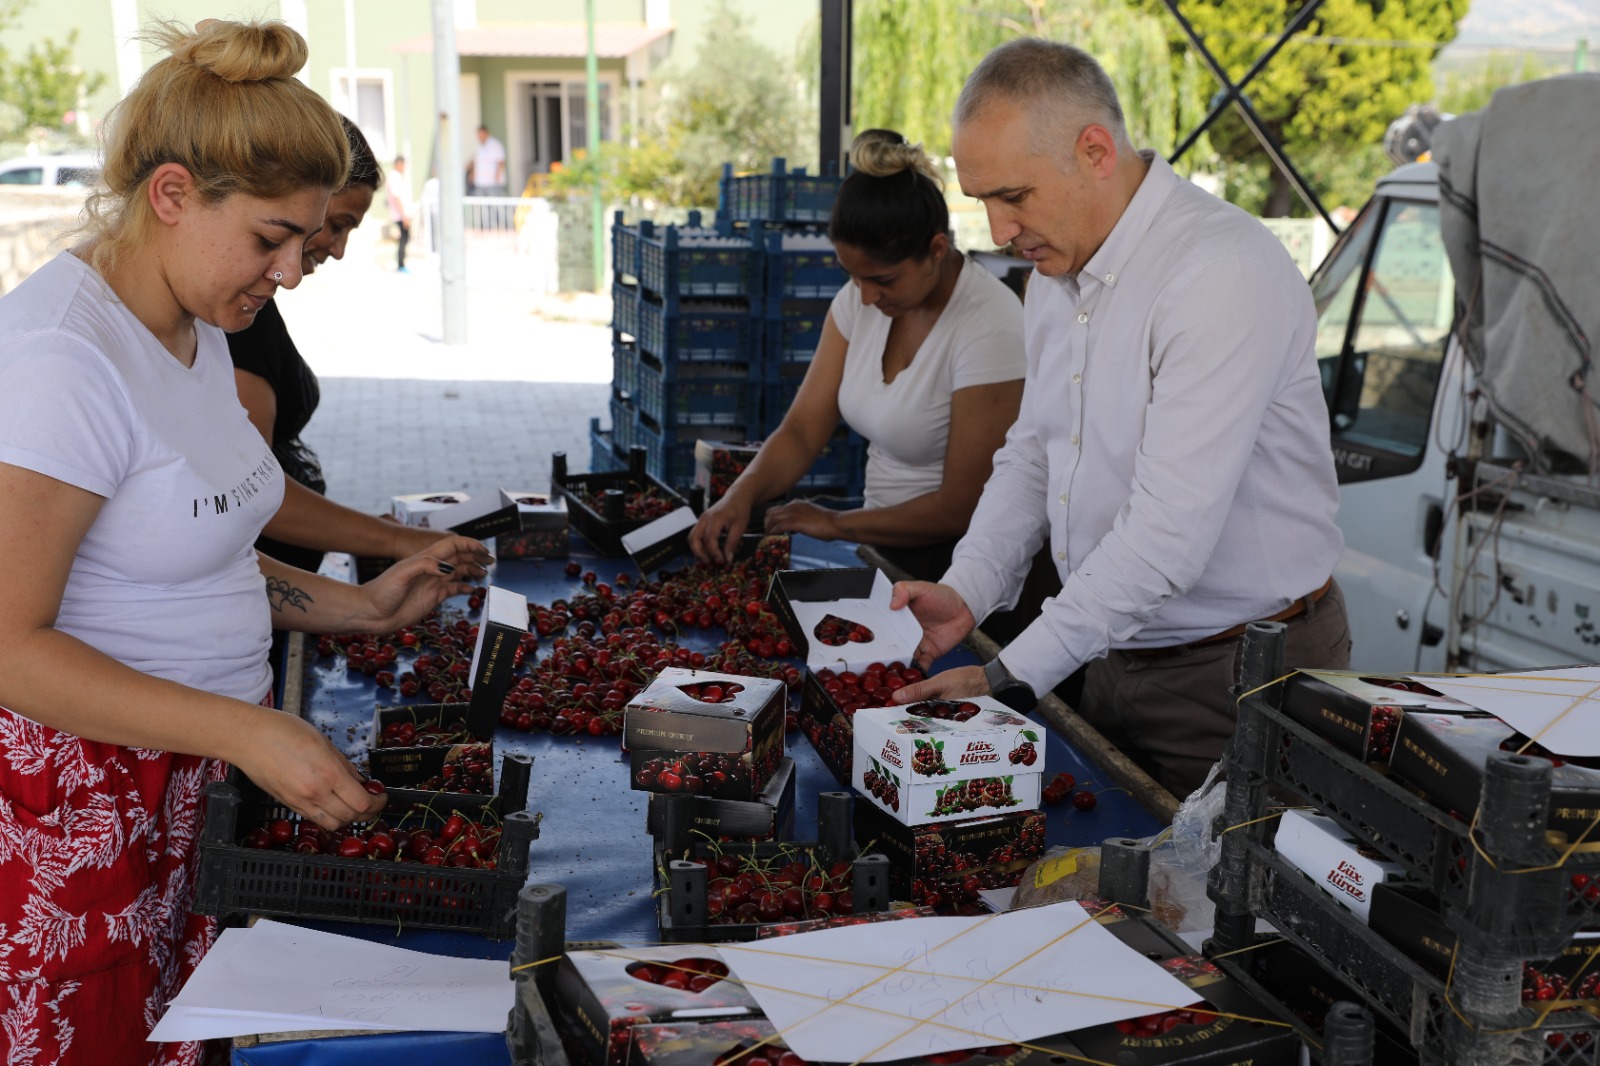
[[669, 451], [695, 262], [789, 340], [699, 394], [840, 470], [624, 416], [625, 309], [624, 250], [783, 196], [624, 366], [697, 332], [799, 266], [603, 455]]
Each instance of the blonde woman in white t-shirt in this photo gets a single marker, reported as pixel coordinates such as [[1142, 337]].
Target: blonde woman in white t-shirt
[[921, 354]]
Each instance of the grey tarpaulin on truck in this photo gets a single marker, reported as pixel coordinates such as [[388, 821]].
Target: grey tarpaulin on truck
[[1517, 187]]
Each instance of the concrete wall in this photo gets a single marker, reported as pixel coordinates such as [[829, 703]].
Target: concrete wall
[[32, 226]]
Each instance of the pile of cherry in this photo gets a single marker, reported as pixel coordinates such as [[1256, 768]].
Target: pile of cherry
[[604, 645], [836, 632], [686, 975], [938, 864], [640, 503], [459, 842], [792, 885], [872, 687]]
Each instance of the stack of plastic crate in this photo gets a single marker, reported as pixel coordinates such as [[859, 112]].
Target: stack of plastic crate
[[784, 213], [686, 356], [1512, 893]]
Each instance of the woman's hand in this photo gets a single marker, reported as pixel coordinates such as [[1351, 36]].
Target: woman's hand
[[715, 538], [295, 763], [807, 518], [411, 588], [470, 558]]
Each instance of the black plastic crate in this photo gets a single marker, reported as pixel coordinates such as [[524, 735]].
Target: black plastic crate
[[681, 906], [236, 880], [605, 529]]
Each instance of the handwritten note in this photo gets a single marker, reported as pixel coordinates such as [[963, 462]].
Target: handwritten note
[[274, 978], [892, 990], [1558, 708]]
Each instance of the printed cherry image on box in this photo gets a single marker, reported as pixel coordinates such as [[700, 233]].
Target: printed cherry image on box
[[450, 746], [857, 651], [939, 761], [698, 731]]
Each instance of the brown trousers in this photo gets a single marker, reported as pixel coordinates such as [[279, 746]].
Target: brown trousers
[[1172, 714]]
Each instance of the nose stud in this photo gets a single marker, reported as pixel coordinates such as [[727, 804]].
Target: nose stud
[[278, 276]]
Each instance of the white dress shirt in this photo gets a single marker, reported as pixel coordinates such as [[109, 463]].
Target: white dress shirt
[[1173, 442]]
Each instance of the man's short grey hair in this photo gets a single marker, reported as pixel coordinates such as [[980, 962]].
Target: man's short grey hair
[[1065, 89]]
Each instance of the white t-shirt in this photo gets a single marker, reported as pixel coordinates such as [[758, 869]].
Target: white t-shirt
[[976, 341], [166, 579], [486, 162]]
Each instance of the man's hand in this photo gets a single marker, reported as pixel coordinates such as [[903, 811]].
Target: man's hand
[[958, 684], [946, 619], [807, 518]]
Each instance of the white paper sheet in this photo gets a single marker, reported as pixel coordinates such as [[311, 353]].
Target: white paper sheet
[[892, 990], [1558, 708], [274, 978]]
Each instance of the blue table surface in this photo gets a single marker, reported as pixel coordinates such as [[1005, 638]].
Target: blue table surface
[[592, 838]]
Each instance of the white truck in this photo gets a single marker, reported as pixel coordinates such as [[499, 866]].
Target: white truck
[[1472, 536]]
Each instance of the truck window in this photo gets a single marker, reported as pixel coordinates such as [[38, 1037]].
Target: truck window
[[1383, 320]]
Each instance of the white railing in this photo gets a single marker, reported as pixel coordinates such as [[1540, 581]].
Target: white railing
[[510, 240]]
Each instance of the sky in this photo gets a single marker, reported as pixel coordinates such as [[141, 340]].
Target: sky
[[1547, 23]]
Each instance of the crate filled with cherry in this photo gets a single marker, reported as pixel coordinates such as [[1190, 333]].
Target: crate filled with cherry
[[705, 732], [433, 860], [732, 891], [857, 651], [604, 507], [945, 865]]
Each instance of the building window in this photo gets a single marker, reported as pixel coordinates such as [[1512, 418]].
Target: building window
[[365, 100]]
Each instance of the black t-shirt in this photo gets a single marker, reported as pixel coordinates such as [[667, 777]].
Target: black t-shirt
[[266, 350]]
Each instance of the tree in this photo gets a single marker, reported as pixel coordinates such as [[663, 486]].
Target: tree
[[912, 57], [39, 90], [736, 103], [1328, 96]]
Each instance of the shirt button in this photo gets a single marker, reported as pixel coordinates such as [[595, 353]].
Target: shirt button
[[1063, 497], [1074, 440], [1076, 378], [1110, 278], [1083, 316], [1062, 556]]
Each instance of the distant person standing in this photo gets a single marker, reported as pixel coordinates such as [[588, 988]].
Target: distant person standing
[[487, 175], [398, 191]]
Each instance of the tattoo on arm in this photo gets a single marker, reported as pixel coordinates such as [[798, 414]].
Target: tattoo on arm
[[282, 595]]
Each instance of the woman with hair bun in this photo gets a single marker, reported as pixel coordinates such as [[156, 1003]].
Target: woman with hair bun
[[921, 354], [133, 639]]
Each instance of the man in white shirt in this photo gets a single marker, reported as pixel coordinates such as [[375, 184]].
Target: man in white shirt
[[1173, 440], [488, 170]]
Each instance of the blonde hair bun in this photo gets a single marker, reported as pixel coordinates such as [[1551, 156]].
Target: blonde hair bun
[[235, 51], [883, 154]]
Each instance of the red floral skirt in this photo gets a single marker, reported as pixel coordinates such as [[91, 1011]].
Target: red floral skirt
[[99, 850]]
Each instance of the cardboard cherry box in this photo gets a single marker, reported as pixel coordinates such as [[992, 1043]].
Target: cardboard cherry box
[[676, 821], [944, 865], [702, 732], [939, 761], [1341, 865], [542, 529], [601, 997], [479, 517], [812, 605], [1443, 756], [718, 464], [1361, 713], [450, 745]]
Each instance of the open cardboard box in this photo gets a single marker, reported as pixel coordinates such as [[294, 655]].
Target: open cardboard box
[[726, 749], [542, 528], [494, 655], [926, 769], [802, 599]]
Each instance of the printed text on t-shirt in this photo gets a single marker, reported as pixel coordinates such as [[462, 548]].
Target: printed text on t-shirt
[[240, 494]]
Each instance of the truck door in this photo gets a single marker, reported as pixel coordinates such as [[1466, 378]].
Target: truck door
[[1384, 302]]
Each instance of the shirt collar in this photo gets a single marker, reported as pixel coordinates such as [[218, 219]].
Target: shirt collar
[[1106, 265]]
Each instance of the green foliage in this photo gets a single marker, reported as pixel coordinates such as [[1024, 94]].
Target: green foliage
[[1330, 93], [38, 90], [912, 57], [735, 103], [1469, 89]]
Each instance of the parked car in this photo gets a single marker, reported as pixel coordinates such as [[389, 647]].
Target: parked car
[[71, 170]]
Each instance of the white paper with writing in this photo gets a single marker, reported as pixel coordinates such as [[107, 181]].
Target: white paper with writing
[[1558, 708]]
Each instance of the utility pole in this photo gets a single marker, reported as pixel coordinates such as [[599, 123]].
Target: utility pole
[[591, 126], [452, 181]]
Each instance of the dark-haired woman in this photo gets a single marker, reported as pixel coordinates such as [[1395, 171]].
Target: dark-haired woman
[[921, 354], [280, 394]]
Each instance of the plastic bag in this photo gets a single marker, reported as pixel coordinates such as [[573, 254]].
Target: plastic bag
[[1060, 874], [1182, 856]]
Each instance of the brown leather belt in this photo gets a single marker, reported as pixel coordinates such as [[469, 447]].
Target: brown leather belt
[[1299, 607]]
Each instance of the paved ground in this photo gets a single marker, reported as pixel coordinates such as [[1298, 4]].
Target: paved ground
[[403, 412]]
